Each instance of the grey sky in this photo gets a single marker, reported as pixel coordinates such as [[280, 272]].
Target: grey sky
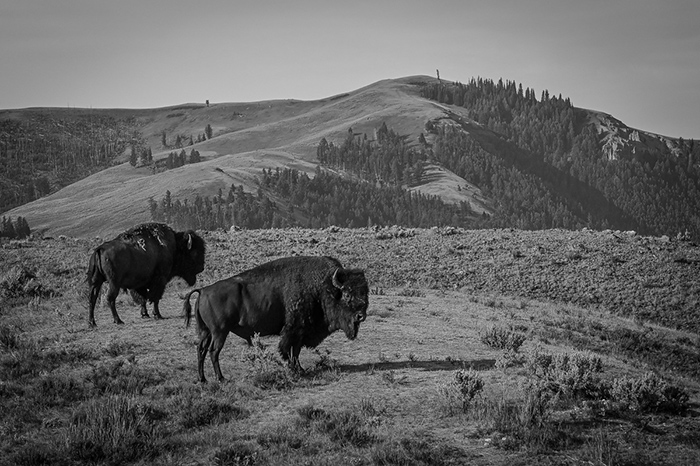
[[638, 60]]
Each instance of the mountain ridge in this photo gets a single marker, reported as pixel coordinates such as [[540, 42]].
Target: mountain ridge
[[251, 136]]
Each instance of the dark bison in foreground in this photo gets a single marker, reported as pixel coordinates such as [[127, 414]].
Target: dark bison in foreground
[[144, 259], [303, 299]]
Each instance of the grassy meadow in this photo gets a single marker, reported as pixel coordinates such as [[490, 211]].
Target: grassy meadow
[[472, 353]]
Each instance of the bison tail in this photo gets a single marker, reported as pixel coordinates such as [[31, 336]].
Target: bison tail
[[94, 272], [187, 308]]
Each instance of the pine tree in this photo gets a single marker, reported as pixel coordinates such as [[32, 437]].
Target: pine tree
[[194, 156], [133, 157], [22, 229], [8, 228], [208, 131]]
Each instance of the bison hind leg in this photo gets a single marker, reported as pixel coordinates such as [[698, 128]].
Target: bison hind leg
[[95, 289], [139, 297], [202, 349], [112, 294], [217, 342]]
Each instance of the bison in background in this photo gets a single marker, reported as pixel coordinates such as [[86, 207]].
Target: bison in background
[[302, 299], [144, 259]]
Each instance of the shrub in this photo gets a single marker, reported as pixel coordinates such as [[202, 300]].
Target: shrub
[[115, 428], [346, 426], [417, 450], [648, 393], [14, 281], [538, 404], [509, 358], [570, 375], [238, 454], [116, 348], [58, 390], [516, 423], [469, 383], [207, 411], [268, 370], [412, 293], [35, 454], [287, 435], [9, 337], [462, 389], [119, 377], [502, 338]]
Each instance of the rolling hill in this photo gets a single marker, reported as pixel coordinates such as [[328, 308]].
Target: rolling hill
[[249, 137]]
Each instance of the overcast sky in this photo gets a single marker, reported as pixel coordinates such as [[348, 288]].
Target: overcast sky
[[638, 60]]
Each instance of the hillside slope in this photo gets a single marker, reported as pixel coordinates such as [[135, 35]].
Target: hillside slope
[[495, 154], [247, 137]]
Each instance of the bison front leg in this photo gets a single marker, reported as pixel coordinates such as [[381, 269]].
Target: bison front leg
[[294, 361], [155, 293], [156, 310], [290, 352]]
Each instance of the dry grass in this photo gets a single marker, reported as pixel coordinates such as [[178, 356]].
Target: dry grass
[[247, 138], [129, 394]]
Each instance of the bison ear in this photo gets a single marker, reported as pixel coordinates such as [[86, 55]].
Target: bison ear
[[337, 278], [189, 241]]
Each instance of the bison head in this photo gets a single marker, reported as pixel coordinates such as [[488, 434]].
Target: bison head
[[189, 257], [351, 299]]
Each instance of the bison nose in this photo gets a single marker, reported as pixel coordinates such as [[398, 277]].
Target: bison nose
[[360, 317]]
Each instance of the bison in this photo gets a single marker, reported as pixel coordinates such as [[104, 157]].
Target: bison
[[144, 259], [302, 299]]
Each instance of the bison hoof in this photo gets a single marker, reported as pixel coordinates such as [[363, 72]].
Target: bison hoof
[[145, 316], [119, 322], [157, 316], [296, 368]]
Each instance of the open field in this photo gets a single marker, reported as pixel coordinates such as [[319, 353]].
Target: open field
[[480, 347]]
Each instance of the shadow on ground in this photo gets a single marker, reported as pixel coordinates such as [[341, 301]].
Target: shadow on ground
[[444, 365]]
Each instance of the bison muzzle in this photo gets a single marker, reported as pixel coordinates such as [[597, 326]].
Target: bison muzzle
[[302, 299]]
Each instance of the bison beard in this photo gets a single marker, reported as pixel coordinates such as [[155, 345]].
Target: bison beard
[[143, 260], [302, 299]]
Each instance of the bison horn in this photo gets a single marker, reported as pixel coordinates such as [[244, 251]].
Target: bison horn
[[336, 282], [189, 241]]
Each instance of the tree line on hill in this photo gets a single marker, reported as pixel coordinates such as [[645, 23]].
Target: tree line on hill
[[659, 192], [17, 229], [174, 159], [238, 208], [42, 154], [388, 159], [182, 141], [329, 199], [287, 197]]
